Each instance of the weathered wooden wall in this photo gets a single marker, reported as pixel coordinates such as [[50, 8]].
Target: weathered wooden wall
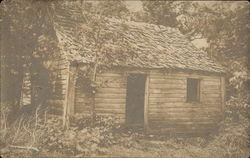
[[110, 97], [83, 96], [168, 107], [58, 75]]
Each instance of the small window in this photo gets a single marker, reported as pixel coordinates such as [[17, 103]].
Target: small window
[[193, 90]]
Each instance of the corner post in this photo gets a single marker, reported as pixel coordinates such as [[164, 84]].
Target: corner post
[[223, 91], [69, 104], [146, 98]]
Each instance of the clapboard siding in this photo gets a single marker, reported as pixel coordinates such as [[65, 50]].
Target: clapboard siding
[[168, 108], [183, 105], [111, 90], [83, 97], [59, 74], [167, 100], [167, 90], [110, 98]]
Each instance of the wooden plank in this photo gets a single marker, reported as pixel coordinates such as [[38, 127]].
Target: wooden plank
[[181, 74], [84, 113], [155, 78], [183, 123], [82, 105], [182, 105], [111, 90], [83, 100], [120, 116], [167, 95], [223, 92], [211, 92], [108, 95], [81, 95], [183, 110], [111, 111], [159, 115], [79, 105], [65, 106], [146, 101], [211, 95], [166, 91], [112, 85], [81, 109], [186, 119], [206, 83], [211, 87], [167, 81], [110, 106], [168, 86], [71, 89], [162, 100], [214, 79], [171, 104], [212, 100], [104, 100], [175, 114]]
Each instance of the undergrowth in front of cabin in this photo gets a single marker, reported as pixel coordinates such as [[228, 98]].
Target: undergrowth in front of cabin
[[106, 137]]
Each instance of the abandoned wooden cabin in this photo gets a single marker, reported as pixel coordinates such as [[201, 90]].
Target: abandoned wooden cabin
[[169, 86]]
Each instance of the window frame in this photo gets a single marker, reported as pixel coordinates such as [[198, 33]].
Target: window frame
[[198, 96]]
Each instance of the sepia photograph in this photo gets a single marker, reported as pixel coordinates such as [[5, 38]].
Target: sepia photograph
[[124, 78]]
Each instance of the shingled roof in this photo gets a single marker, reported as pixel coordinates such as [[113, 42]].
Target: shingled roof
[[156, 46]]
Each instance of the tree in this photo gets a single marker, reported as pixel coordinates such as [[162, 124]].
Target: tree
[[25, 23]]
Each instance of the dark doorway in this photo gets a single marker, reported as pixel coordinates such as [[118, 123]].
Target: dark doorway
[[135, 99]]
